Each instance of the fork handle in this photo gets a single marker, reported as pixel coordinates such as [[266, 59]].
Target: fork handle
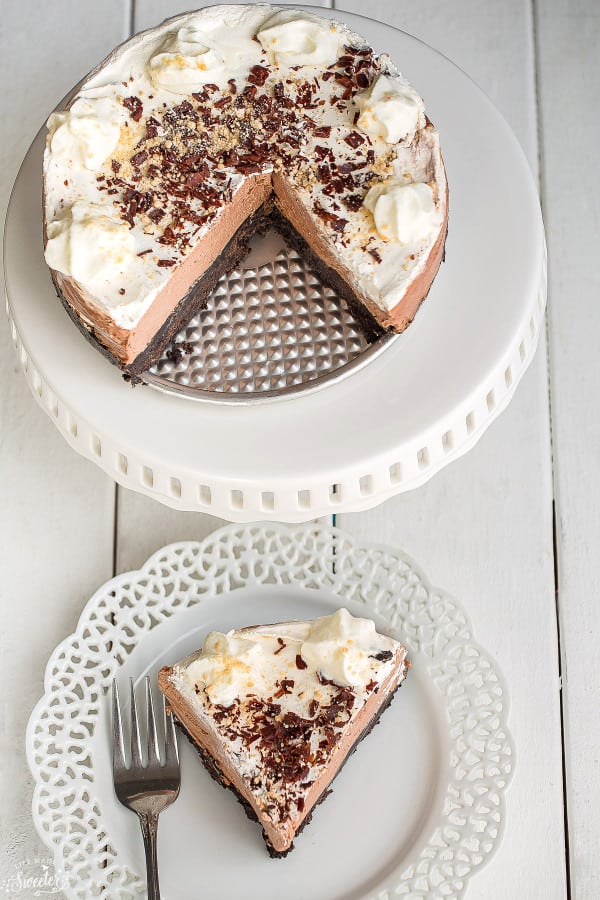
[[149, 823]]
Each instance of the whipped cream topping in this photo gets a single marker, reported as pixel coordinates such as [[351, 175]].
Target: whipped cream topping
[[342, 647], [403, 212], [338, 647], [186, 61], [213, 45], [390, 109], [295, 38], [224, 665], [314, 108], [87, 133], [95, 249]]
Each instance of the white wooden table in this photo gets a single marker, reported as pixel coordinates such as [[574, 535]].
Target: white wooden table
[[510, 529]]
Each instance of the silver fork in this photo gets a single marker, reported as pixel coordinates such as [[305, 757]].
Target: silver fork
[[145, 786]]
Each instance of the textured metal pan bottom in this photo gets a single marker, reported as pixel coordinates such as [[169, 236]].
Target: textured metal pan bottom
[[271, 329]]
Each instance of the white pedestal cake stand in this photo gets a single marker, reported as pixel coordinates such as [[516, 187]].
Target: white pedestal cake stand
[[385, 429]]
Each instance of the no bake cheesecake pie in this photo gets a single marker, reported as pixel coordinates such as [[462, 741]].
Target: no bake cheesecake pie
[[275, 710], [193, 136]]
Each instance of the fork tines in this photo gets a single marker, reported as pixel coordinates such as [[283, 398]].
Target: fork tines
[[145, 785], [151, 758]]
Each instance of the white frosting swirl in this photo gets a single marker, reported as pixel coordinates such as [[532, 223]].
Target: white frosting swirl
[[390, 109], [224, 666], [295, 38], [95, 249], [87, 133], [187, 60], [341, 647], [403, 212]]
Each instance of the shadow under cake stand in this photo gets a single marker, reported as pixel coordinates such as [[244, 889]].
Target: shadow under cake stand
[[337, 429]]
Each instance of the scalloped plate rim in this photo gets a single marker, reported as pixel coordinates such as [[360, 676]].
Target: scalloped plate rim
[[384, 889]]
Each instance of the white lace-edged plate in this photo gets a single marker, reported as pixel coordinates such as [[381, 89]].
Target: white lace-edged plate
[[416, 811]]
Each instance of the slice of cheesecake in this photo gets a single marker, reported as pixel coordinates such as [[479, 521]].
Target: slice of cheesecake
[[275, 710]]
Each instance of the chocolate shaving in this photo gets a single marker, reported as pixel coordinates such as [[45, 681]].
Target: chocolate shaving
[[324, 173], [258, 75], [382, 655], [135, 107], [336, 222], [345, 61], [323, 152], [138, 158], [249, 168], [354, 139], [285, 687], [196, 178]]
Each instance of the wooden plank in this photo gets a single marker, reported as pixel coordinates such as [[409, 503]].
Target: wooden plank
[[482, 528], [57, 509], [143, 526], [568, 37]]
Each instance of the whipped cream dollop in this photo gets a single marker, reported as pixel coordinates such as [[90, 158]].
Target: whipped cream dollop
[[342, 648], [87, 133], [224, 666], [96, 250], [403, 212], [187, 60], [295, 38], [257, 661], [390, 109]]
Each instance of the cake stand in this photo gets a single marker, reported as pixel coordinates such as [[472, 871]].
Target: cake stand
[[385, 429]]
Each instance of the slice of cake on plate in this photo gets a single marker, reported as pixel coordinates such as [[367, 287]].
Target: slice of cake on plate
[[275, 710]]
